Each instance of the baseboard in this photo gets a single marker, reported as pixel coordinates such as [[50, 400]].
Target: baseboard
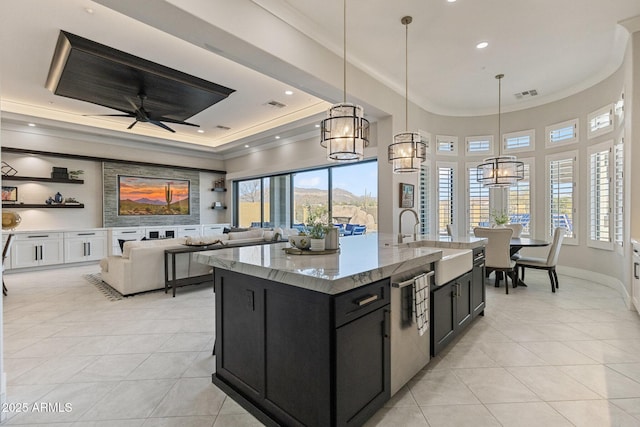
[[602, 279]]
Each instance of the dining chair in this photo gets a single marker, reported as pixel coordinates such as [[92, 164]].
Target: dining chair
[[497, 254], [517, 232], [5, 254], [550, 262]]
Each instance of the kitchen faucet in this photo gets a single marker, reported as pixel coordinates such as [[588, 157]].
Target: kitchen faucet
[[415, 227]]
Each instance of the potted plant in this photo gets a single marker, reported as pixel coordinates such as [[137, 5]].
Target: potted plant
[[316, 230], [499, 218]]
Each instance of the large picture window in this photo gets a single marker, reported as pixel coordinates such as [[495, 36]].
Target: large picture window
[[600, 196], [345, 194]]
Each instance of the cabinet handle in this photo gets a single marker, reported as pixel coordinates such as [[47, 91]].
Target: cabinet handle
[[387, 324], [44, 236], [128, 232], [86, 234], [367, 300], [635, 270], [88, 248], [41, 252], [36, 255]]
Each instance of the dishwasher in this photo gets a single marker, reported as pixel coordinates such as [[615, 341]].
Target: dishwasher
[[410, 351]]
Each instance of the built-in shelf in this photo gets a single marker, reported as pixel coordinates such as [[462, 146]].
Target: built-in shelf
[[218, 189], [40, 206], [41, 179]]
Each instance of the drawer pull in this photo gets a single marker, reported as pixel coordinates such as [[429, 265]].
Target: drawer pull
[[86, 234], [367, 300], [128, 232], [43, 236]]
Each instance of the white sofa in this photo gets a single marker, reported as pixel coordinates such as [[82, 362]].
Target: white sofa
[[140, 268]]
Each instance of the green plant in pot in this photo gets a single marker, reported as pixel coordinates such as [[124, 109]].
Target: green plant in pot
[[499, 218], [316, 227]]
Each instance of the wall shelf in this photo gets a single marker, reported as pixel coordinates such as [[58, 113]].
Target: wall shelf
[[40, 206], [218, 189], [41, 179]]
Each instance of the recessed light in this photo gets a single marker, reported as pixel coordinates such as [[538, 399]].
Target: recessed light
[[317, 126], [32, 125], [200, 131], [246, 145], [88, 10], [482, 45], [288, 92], [451, 1], [277, 137]]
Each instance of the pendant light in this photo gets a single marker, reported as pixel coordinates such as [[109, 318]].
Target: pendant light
[[345, 131], [500, 171], [407, 151]]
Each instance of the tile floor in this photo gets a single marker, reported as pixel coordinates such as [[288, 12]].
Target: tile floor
[[535, 359]]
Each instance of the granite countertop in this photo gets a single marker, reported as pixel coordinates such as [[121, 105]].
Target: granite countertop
[[362, 260]]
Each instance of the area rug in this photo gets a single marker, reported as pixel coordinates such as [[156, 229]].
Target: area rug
[[106, 290]]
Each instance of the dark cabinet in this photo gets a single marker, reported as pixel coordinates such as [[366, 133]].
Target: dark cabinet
[[296, 357], [451, 310]]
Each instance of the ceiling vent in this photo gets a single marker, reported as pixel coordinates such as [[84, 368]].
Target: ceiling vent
[[222, 127], [526, 93], [275, 104]]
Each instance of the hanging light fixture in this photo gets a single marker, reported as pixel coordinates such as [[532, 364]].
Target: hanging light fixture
[[407, 151], [345, 131], [500, 171]]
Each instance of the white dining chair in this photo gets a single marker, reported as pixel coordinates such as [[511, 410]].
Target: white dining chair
[[498, 254], [548, 263], [517, 229]]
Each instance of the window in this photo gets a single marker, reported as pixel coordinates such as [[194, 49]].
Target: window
[[618, 198], [519, 141], [447, 145], [424, 199], [520, 199], [562, 133], [354, 194], [249, 202], [600, 122], [345, 194], [310, 191], [426, 139], [479, 145], [477, 201], [562, 178], [446, 196], [600, 196]]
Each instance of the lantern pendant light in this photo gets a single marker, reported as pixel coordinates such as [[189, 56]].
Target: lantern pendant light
[[407, 151], [345, 131], [500, 171]]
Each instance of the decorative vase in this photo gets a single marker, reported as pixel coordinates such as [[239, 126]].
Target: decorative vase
[[317, 244], [499, 226]]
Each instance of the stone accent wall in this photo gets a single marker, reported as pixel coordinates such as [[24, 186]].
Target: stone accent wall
[[110, 172]]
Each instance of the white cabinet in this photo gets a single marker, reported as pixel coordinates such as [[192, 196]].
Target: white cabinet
[[189, 231], [87, 245], [213, 229], [36, 249], [123, 233]]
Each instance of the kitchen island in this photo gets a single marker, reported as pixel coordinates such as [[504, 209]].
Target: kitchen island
[[305, 339]]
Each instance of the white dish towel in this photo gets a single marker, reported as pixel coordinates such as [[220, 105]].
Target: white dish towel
[[421, 306]]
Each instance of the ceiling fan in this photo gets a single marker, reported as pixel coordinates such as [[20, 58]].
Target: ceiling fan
[[140, 114]]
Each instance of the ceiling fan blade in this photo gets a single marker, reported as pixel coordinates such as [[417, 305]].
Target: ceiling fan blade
[[178, 122], [133, 104], [132, 124], [109, 115], [162, 125]]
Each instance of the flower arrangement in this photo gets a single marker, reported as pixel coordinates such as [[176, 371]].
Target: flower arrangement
[[317, 223], [500, 218]]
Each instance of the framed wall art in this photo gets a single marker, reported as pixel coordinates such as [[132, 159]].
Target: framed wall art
[[406, 195]]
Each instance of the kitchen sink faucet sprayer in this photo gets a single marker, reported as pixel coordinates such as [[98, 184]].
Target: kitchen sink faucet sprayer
[[415, 227]]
